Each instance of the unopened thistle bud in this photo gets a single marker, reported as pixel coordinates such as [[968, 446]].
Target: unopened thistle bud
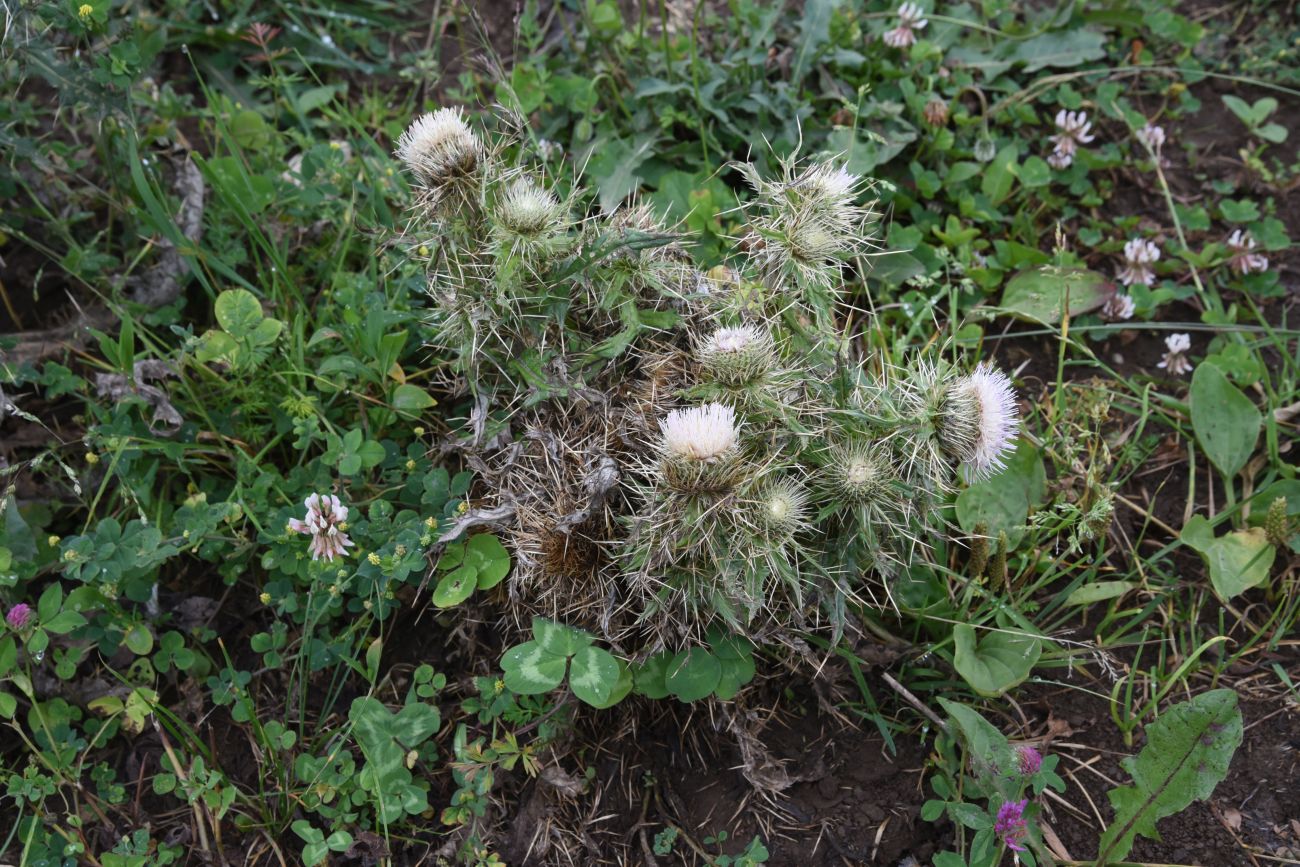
[[700, 446], [1277, 525], [780, 509], [860, 474], [528, 210], [978, 420], [440, 149], [737, 356]]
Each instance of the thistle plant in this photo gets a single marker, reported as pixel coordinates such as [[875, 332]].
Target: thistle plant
[[668, 449]]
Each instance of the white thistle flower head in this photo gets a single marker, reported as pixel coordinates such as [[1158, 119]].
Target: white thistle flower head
[[702, 433], [528, 210], [440, 148], [1244, 258], [910, 19], [1118, 307], [1139, 255], [326, 517], [1152, 136], [737, 356], [979, 419], [1175, 359]]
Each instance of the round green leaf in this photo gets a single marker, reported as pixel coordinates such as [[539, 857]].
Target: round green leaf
[[238, 312], [693, 674], [139, 639], [593, 675], [455, 587], [486, 553], [530, 669], [651, 679]]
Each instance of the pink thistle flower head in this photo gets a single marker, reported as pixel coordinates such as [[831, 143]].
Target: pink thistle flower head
[[1244, 258], [1030, 759], [910, 19], [19, 616], [1010, 826], [1139, 255], [325, 521]]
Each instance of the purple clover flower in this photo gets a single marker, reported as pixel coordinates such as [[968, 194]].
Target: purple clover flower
[[19, 616], [1030, 760], [1010, 826]]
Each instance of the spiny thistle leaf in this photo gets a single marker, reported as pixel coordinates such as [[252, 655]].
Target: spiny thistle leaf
[[1187, 753]]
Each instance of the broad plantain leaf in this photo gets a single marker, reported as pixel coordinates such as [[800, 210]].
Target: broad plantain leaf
[[1226, 422], [1187, 753]]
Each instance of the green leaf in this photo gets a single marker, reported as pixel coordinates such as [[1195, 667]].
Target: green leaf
[[1237, 561], [1226, 422], [8, 705], [1187, 754], [455, 587], [371, 454], [651, 679], [1061, 48], [593, 675], [64, 622], [1039, 294], [50, 602], [266, 332], [411, 398], [997, 661], [1000, 175], [1035, 172], [986, 746], [1100, 591], [531, 669], [693, 674], [138, 639], [486, 554], [239, 313], [557, 638]]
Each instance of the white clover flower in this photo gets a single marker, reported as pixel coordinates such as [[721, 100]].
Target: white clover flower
[[1244, 258], [1072, 130], [979, 420], [440, 148], [910, 19], [1175, 358], [1152, 136], [701, 433], [1139, 255], [1118, 308], [324, 521]]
